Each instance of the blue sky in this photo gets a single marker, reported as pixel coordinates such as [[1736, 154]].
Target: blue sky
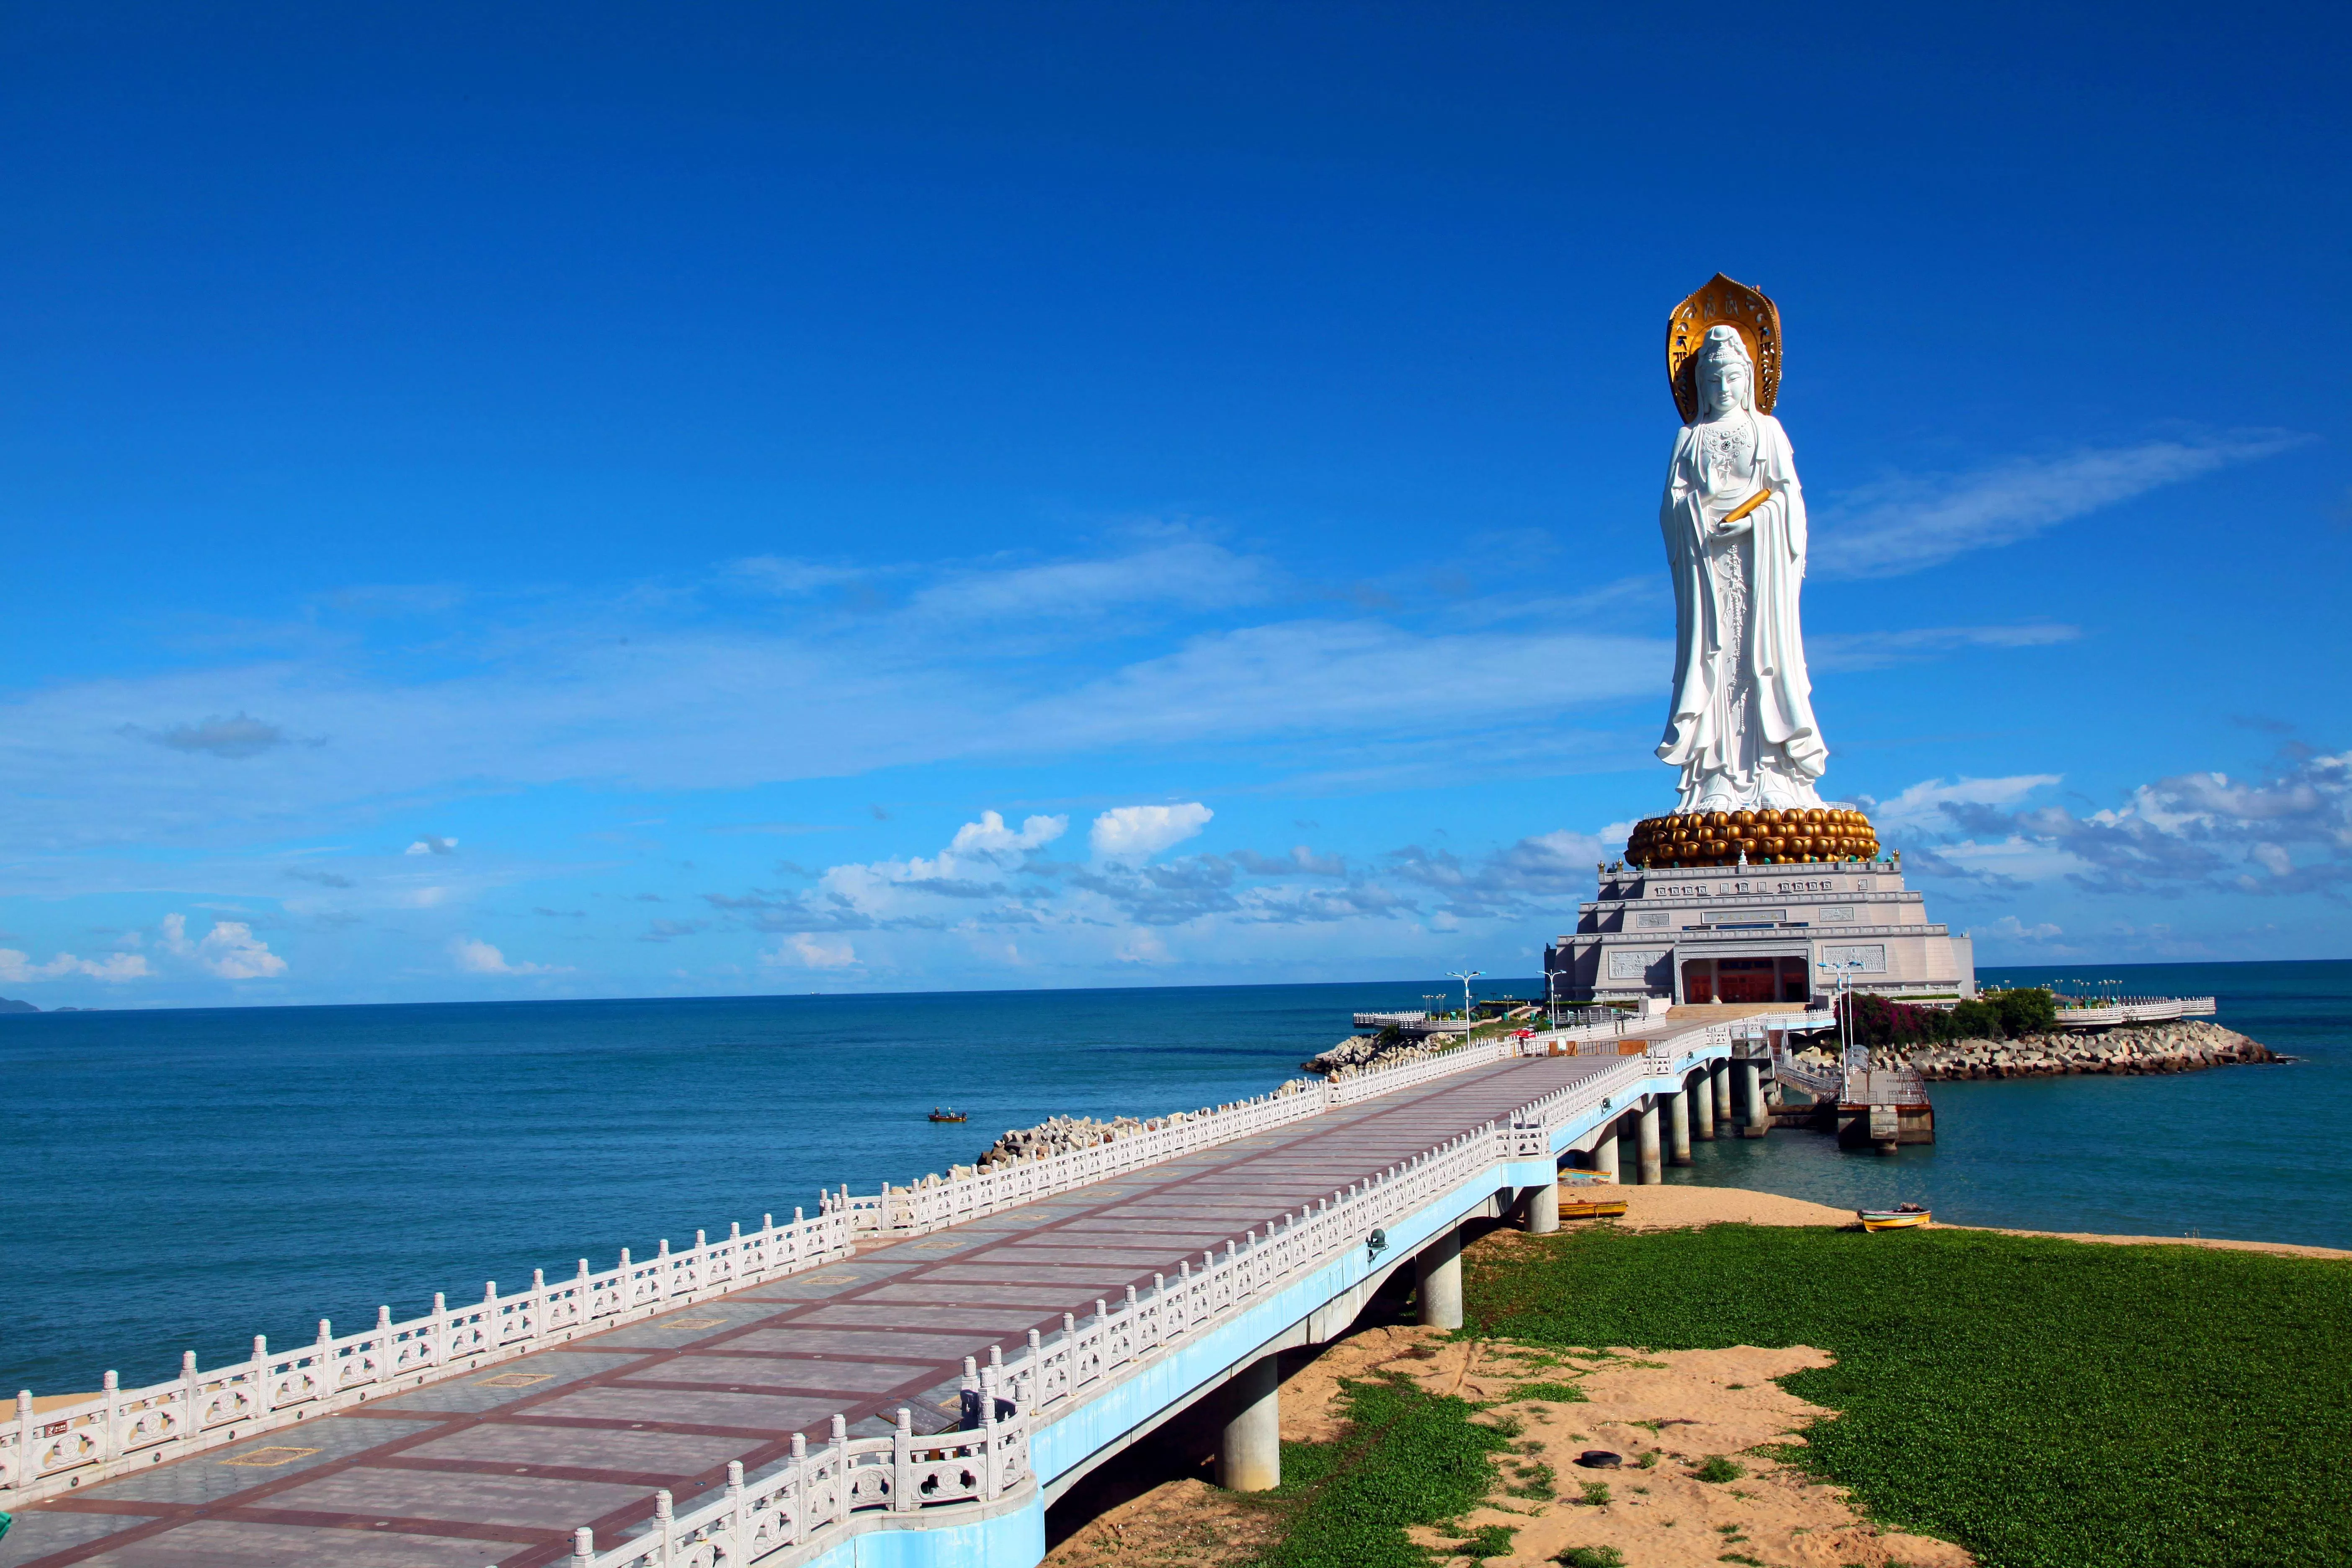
[[588, 501]]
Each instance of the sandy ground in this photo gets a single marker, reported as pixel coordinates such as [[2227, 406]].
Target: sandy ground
[[1675, 1409], [1185, 1521]]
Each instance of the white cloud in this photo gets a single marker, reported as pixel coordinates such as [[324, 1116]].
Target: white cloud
[[474, 956], [990, 838], [2009, 928], [429, 845], [1906, 525], [229, 950], [1923, 806], [18, 969], [1136, 832], [810, 951]]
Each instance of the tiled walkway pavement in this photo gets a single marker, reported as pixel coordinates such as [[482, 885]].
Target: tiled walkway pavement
[[499, 1467]]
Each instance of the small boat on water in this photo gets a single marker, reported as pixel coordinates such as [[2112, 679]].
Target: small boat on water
[[1590, 1208], [1902, 1216], [939, 1114]]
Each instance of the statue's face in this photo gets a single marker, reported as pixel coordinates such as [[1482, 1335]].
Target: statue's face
[[1722, 383]]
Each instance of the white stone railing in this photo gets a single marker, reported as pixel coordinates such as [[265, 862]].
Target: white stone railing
[[812, 1496], [44, 1454], [937, 1202], [2136, 1010], [81, 1443], [816, 1493]]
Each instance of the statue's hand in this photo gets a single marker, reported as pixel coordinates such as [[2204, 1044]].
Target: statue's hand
[[1723, 529]]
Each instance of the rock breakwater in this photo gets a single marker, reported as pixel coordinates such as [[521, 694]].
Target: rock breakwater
[[1360, 1051], [1062, 1134], [2184, 1046]]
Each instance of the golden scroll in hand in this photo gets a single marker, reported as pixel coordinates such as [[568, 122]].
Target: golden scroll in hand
[[1751, 504]]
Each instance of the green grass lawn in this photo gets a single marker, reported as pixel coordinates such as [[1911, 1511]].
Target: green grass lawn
[[1410, 1457], [2043, 1402]]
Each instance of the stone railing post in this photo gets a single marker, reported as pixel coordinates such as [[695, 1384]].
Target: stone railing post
[[110, 1438], [265, 1397], [902, 1463], [989, 1458], [29, 1461], [584, 1547], [438, 1352], [666, 1525], [192, 1393], [738, 1537], [796, 1484]]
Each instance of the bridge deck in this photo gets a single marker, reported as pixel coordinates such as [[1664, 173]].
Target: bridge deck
[[499, 1468]]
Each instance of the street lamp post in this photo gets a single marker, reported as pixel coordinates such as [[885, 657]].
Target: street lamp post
[[1466, 976], [1844, 969]]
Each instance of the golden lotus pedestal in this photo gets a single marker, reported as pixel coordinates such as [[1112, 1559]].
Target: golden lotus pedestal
[[1817, 835]]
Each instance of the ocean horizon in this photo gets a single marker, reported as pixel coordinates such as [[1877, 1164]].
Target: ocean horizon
[[189, 1177]]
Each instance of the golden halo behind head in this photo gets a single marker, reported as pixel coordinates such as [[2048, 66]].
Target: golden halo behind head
[[1722, 302]]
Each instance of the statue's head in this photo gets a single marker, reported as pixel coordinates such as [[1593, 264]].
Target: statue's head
[[1725, 375]]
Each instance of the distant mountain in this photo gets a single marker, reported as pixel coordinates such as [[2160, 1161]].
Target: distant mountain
[[8, 1007]]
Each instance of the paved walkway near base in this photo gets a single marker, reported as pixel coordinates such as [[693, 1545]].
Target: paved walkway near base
[[499, 1467]]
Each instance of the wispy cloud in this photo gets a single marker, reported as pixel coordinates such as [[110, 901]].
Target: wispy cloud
[[233, 737], [473, 956], [1877, 650], [1908, 524]]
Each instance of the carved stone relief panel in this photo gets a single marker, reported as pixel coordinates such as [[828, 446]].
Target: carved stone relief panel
[[1631, 965]]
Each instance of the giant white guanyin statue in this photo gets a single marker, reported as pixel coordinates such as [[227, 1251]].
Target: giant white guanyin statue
[[1741, 728]]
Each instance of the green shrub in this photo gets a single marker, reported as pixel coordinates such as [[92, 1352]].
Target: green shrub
[[1488, 1541], [1551, 1393], [2032, 1010], [1718, 1469], [1976, 1021], [1592, 1557], [1595, 1493]]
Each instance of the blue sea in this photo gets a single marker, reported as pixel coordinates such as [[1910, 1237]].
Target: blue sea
[[183, 1180]]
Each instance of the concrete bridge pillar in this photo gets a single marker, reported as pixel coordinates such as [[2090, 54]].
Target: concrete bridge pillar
[[1679, 1129], [1249, 1452], [1543, 1208], [1604, 1153], [1755, 1120], [1701, 1096], [1719, 1077], [1438, 1268], [1653, 1168]]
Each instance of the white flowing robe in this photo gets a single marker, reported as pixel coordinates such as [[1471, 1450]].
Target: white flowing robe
[[1715, 738]]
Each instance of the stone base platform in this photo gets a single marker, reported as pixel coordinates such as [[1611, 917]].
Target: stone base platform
[[1724, 936]]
